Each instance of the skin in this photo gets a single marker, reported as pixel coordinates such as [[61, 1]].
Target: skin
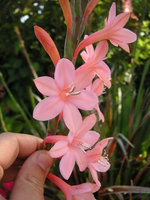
[[22, 163]]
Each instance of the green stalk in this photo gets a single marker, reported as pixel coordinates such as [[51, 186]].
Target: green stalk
[[2, 121], [18, 106], [25, 52]]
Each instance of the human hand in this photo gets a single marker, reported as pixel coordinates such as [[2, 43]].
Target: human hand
[[20, 162]]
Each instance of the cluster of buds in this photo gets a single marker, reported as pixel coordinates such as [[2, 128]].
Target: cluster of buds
[[73, 89]]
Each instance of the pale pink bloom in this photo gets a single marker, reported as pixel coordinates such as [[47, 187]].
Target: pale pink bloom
[[94, 65], [48, 44], [113, 31], [96, 162], [65, 5], [62, 95], [97, 87], [72, 148], [83, 191]]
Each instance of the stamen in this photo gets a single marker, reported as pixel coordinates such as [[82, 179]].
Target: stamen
[[86, 146], [72, 89], [71, 92], [105, 155], [82, 149], [100, 162]]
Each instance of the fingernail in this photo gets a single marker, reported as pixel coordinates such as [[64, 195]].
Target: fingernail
[[44, 161]]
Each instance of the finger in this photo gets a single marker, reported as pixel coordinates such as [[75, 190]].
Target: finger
[[31, 177], [13, 145]]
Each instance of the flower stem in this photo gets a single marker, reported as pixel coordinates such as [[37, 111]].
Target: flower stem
[[18, 106]]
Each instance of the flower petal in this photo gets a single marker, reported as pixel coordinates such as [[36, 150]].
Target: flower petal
[[84, 77], [84, 56], [119, 22], [124, 35], [59, 149], [104, 73], [85, 196], [98, 87], [46, 85], [90, 138], [101, 50], [112, 13], [102, 165], [87, 124], [86, 100], [80, 158], [66, 165], [47, 109], [72, 117], [100, 114], [94, 175], [64, 73]]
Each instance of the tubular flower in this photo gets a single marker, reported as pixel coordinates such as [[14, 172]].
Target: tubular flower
[[96, 162], [65, 5], [94, 65], [83, 191], [48, 44], [62, 95], [113, 31], [72, 148]]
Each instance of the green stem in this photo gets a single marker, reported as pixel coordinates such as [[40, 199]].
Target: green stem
[[18, 106], [2, 121], [25, 52]]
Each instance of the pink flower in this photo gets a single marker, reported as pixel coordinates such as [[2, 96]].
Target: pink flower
[[72, 147], [83, 191], [94, 65], [62, 96], [97, 87], [113, 31], [96, 162]]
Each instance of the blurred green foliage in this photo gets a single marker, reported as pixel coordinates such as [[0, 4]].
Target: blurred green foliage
[[126, 106]]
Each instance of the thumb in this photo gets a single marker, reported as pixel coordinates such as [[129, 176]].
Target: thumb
[[31, 177]]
